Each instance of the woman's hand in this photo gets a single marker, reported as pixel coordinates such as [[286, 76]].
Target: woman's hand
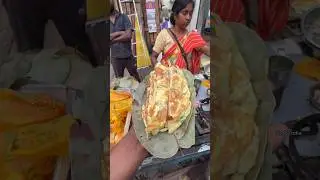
[[277, 134], [205, 49], [196, 104], [154, 57]]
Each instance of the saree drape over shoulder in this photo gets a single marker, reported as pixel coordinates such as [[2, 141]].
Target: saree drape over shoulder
[[190, 42]]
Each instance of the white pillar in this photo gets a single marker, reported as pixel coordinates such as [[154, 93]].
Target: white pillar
[[194, 20]]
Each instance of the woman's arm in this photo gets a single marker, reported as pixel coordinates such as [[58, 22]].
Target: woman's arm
[[277, 133], [205, 49], [126, 157], [154, 57], [158, 47]]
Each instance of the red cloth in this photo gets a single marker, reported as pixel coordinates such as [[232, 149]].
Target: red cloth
[[229, 10], [190, 44], [273, 15]]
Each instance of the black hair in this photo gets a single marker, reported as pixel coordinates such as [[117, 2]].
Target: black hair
[[178, 5]]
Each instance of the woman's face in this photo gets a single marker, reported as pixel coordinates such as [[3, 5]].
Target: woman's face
[[184, 17]]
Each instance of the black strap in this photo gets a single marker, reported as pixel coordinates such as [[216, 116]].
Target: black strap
[[180, 47]]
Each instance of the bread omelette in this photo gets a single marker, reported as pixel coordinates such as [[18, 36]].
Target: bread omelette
[[167, 102]]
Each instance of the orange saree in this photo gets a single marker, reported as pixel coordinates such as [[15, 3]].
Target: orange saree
[[190, 43]]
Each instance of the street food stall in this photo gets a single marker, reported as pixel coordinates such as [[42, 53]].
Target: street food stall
[[125, 90], [297, 107]]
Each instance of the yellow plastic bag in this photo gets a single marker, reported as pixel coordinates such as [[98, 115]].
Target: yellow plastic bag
[[120, 105], [37, 169], [20, 109], [7, 174], [38, 140], [34, 131], [143, 57], [309, 68]]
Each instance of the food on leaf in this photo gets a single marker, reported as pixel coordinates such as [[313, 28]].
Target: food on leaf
[[168, 102]]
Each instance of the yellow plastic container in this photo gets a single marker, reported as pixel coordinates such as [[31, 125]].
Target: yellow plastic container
[[205, 83]]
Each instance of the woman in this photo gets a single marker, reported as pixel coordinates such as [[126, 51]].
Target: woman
[[192, 46], [128, 154]]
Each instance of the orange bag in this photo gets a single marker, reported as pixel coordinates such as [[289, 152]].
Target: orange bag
[[37, 169], [120, 105], [20, 109], [38, 140]]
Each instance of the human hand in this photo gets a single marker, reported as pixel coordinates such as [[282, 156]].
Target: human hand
[[315, 95], [196, 104], [132, 132], [133, 137], [277, 133], [127, 156], [114, 35], [153, 64]]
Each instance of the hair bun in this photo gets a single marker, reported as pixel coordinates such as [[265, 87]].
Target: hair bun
[[172, 21]]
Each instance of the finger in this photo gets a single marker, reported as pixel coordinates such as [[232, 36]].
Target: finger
[[277, 134], [196, 104]]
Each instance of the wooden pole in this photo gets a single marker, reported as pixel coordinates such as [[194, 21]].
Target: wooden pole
[[157, 4], [145, 24]]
